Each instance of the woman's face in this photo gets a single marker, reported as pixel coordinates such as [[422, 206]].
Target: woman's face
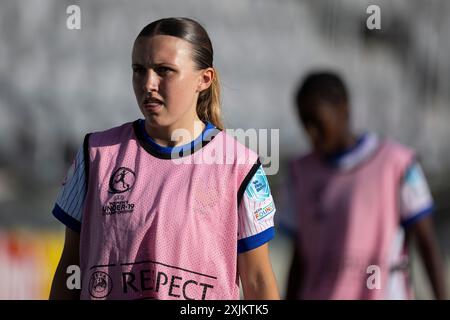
[[327, 128], [163, 65]]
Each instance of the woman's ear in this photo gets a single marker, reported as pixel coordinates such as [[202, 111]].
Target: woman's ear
[[206, 78]]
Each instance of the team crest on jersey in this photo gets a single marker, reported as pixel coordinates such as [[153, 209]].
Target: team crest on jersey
[[258, 188], [122, 180], [100, 284]]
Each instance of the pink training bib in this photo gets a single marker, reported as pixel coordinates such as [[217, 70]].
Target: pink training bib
[[155, 229], [347, 222]]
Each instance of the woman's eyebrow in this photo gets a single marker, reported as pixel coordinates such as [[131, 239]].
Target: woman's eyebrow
[[159, 64]]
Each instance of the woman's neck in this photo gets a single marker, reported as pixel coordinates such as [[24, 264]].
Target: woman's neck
[[176, 134], [349, 141], [346, 142]]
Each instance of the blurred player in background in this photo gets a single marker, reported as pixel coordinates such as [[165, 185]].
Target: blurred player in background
[[354, 202], [144, 226]]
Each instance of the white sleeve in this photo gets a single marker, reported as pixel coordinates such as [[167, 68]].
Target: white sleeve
[[70, 201], [256, 213], [415, 197]]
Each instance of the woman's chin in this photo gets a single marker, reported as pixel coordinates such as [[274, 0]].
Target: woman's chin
[[156, 120]]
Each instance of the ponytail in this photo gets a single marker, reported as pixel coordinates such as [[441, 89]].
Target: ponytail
[[208, 104]]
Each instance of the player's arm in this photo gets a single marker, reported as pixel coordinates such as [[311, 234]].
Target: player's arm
[[417, 206], [288, 222], [257, 277], [294, 276], [428, 247], [68, 210], [255, 230], [69, 256]]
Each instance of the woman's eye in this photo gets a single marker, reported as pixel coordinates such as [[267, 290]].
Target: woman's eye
[[138, 70], [163, 70]]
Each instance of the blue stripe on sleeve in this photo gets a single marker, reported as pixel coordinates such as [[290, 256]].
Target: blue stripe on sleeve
[[79, 197], [74, 185], [79, 204], [256, 240], [66, 219], [418, 216], [71, 198]]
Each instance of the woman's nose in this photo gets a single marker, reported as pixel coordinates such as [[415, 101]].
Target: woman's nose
[[152, 81]]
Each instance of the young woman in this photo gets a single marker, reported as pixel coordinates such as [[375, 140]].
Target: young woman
[[148, 214], [356, 201]]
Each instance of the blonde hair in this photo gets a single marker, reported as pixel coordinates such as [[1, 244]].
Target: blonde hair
[[209, 103]]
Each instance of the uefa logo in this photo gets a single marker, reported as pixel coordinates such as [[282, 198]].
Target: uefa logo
[[122, 180], [100, 284]]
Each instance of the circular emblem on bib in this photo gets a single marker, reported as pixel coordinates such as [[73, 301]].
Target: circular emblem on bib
[[100, 284], [122, 180]]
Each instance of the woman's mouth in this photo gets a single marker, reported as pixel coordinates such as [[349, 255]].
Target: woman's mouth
[[152, 104]]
